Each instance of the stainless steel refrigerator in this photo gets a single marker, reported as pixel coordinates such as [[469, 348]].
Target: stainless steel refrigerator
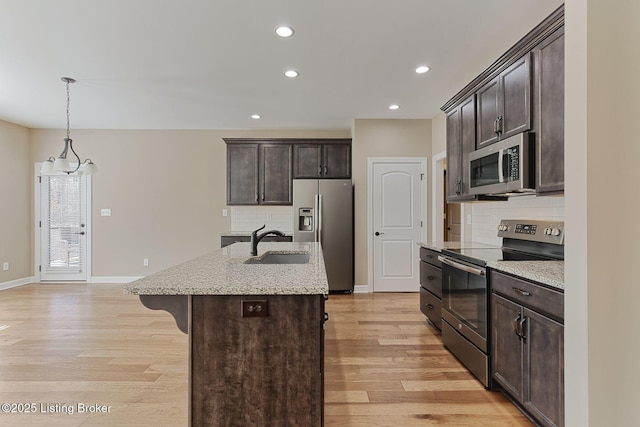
[[323, 212]]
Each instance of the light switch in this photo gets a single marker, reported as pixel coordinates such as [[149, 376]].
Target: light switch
[[105, 212], [225, 212]]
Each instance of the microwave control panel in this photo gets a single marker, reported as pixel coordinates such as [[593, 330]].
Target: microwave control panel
[[534, 230], [514, 163]]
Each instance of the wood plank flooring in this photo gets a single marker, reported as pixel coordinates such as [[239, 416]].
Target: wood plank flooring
[[62, 345]]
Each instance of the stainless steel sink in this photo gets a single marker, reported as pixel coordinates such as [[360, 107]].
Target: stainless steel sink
[[280, 258]]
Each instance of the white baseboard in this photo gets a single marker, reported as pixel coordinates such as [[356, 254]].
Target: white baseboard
[[15, 283], [114, 279], [361, 289]]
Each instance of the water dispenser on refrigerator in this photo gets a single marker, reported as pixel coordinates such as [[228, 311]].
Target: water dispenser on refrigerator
[[305, 219]]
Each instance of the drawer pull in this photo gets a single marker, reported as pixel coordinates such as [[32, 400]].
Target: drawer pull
[[431, 278], [430, 306], [522, 292]]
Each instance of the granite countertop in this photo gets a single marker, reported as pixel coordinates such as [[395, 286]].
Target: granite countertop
[[439, 246], [550, 273], [223, 272]]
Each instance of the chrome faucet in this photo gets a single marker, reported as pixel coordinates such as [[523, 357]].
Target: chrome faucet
[[255, 238]]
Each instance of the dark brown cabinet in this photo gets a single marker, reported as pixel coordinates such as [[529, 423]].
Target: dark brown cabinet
[[461, 140], [256, 370], [259, 174], [504, 103], [528, 346], [549, 109], [328, 160], [431, 286]]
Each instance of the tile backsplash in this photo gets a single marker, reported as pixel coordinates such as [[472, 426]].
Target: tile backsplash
[[249, 218], [485, 216]]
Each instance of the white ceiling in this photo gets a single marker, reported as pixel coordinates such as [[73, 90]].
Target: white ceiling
[[210, 64]]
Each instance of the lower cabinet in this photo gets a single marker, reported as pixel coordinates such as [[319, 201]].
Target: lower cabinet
[[527, 349], [431, 287]]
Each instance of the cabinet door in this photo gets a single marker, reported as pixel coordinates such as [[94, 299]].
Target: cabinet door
[[468, 140], [515, 96], [544, 368], [506, 347], [550, 114], [242, 174], [336, 159], [488, 111], [454, 154], [307, 161], [277, 183]]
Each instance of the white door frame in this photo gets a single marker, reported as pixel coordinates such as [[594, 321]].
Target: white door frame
[[423, 209], [437, 202], [37, 219]]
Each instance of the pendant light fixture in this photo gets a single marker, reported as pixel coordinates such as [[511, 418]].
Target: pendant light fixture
[[61, 164]]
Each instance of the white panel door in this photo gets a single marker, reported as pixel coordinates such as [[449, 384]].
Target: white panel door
[[63, 227], [397, 222]]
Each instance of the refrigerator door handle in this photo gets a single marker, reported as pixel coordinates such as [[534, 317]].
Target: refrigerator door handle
[[315, 218], [319, 218]]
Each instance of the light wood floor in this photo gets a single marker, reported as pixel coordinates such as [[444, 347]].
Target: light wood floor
[[67, 344]]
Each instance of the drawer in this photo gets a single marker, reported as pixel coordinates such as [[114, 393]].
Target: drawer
[[529, 294], [431, 278], [430, 256], [431, 306]]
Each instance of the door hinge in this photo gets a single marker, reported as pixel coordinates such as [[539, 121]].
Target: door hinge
[[40, 224], [39, 268], [40, 179], [421, 177], [421, 224]]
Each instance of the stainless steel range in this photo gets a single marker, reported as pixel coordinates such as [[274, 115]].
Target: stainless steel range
[[466, 287]]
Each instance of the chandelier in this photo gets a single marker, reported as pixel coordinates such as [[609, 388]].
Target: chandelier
[[60, 163]]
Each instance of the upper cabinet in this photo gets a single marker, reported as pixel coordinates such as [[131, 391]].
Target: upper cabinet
[[259, 174], [549, 108], [461, 140], [523, 90], [327, 160], [504, 103]]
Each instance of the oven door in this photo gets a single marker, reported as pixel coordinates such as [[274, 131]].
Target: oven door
[[465, 300]]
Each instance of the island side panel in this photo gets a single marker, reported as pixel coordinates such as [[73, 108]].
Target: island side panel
[[256, 371]]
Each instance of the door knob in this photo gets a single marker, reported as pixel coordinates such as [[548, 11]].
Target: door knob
[[378, 233], [81, 233]]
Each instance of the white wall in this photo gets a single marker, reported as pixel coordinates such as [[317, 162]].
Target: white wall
[[603, 200], [487, 215]]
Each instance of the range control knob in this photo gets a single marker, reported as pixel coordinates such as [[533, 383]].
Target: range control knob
[[555, 232], [547, 231], [502, 227]]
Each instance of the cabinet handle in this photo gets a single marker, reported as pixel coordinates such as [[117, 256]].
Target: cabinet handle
[[516, 325], [522, 292], [522, 326], [430, 306], [257, 197], [495, 126], [326, 170], [263, 196], [431, 278], [319, 170], [499, 124]]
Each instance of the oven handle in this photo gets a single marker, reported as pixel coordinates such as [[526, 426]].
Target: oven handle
[[451, 263]]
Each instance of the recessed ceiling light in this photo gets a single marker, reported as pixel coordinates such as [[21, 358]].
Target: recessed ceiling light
[[256, 116], [284, 31], [394, 107], [291, 73], [422, 69]]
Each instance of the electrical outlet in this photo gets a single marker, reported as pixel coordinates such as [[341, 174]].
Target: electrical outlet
[[105, 212], [255, 308], [145, 262], [5, 266]]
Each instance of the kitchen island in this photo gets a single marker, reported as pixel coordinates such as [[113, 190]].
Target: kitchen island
[[256, 332]]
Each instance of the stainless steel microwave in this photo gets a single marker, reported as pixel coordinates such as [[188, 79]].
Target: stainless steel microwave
[[506, 167]]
